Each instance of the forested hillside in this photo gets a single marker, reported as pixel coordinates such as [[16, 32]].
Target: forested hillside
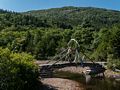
[[43, 33], [12, 19], [69, 17]]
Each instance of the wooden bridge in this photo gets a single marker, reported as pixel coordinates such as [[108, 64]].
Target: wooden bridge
[[71, 57], [48, 69]]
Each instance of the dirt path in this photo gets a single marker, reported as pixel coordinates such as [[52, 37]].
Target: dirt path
[[62, 84]]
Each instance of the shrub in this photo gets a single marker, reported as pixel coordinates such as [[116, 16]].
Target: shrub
[[17, 71], [113, 63]]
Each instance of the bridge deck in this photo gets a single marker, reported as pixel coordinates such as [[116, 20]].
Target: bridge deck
[[70, 64]]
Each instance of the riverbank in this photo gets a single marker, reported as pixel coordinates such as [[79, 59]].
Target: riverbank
[[65, 83], [62, 84], [112, 74], [64, 80], [108, 73]]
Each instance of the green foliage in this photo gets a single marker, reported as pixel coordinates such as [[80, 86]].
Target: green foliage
[[108, 47], [17, 20], [17, 71], [69, 17], [113, 63], [43, 33]]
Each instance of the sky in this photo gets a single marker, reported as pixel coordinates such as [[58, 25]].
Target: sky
[[27, 5]]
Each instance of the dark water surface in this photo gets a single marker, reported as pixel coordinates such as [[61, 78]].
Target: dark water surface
[[94, 84]]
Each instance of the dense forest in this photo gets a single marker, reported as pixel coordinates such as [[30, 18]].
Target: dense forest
[[40, 34]]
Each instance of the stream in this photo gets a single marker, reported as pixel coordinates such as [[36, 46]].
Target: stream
[[94, 83]]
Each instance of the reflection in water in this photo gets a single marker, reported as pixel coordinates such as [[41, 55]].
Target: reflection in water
[[103, 84], [87, 78], [94, 83]]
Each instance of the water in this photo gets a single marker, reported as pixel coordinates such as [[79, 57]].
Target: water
[[94, 84]]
